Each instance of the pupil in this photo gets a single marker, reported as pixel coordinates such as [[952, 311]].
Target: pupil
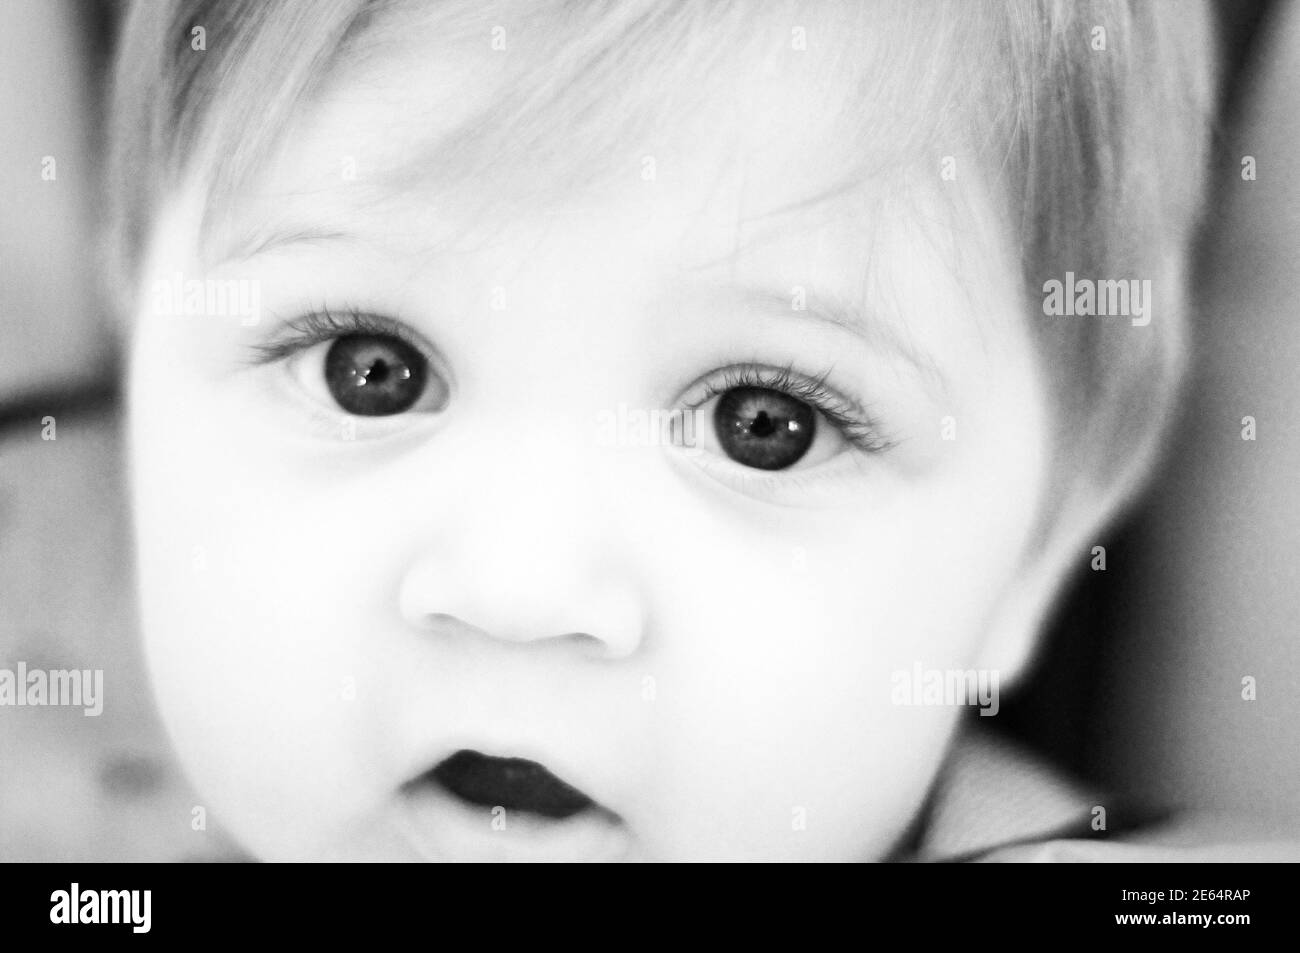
[[374, 375], [763, 428]]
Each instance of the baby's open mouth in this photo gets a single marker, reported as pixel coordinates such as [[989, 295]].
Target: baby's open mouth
[[479, 807], [515, 784]]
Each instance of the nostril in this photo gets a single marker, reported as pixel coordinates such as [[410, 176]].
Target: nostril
[[522, 636], [437, 620], [588, 643], [447, 625]]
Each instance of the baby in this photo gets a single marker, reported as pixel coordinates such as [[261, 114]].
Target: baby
[[593, 431]]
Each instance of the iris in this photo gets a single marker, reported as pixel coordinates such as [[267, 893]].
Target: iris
[[763, 428], [374, 375]]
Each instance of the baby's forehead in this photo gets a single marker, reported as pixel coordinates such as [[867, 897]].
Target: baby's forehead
[[751, 118]]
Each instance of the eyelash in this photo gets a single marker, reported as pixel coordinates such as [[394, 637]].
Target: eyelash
[[853, 423], [321, 324]]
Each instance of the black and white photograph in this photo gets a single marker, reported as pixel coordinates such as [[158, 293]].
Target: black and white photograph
[[672, 431]]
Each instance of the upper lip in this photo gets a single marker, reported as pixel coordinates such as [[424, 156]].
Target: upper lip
[[555, 765], [512, 783]]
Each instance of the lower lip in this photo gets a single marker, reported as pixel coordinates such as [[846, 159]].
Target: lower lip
[[442, 827]]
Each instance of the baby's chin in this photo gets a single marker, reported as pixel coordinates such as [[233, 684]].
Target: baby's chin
[[429, 829], [428, 825], [465, 807]]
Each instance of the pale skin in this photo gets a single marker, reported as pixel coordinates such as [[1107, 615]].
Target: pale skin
[[704, 648]]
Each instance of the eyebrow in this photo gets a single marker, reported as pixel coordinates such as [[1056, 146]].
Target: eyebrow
[[261, 241], [835, 311]]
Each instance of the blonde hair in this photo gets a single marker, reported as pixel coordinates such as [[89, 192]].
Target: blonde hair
[[1100, 155]]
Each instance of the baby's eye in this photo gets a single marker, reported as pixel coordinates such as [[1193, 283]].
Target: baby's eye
[[363, 365], [772, 419], [374, 375], [763, 428], [776, 419]]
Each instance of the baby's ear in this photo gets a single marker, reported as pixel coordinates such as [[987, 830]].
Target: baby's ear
[[1065, 549], [1117, 444]]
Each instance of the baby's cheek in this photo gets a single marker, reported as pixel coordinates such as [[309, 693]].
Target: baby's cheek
[[782, 739], [787, 641], [250, 614], [778, 734]]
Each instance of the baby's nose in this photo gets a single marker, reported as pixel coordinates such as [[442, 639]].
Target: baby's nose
[[604, 624], [529, 556]]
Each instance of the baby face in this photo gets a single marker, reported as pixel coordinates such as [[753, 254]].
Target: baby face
[[581, 522]]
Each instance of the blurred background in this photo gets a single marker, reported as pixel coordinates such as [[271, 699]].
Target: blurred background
[[1139, 687]]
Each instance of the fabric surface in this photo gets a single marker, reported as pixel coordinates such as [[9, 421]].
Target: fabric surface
[[997, 803]]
